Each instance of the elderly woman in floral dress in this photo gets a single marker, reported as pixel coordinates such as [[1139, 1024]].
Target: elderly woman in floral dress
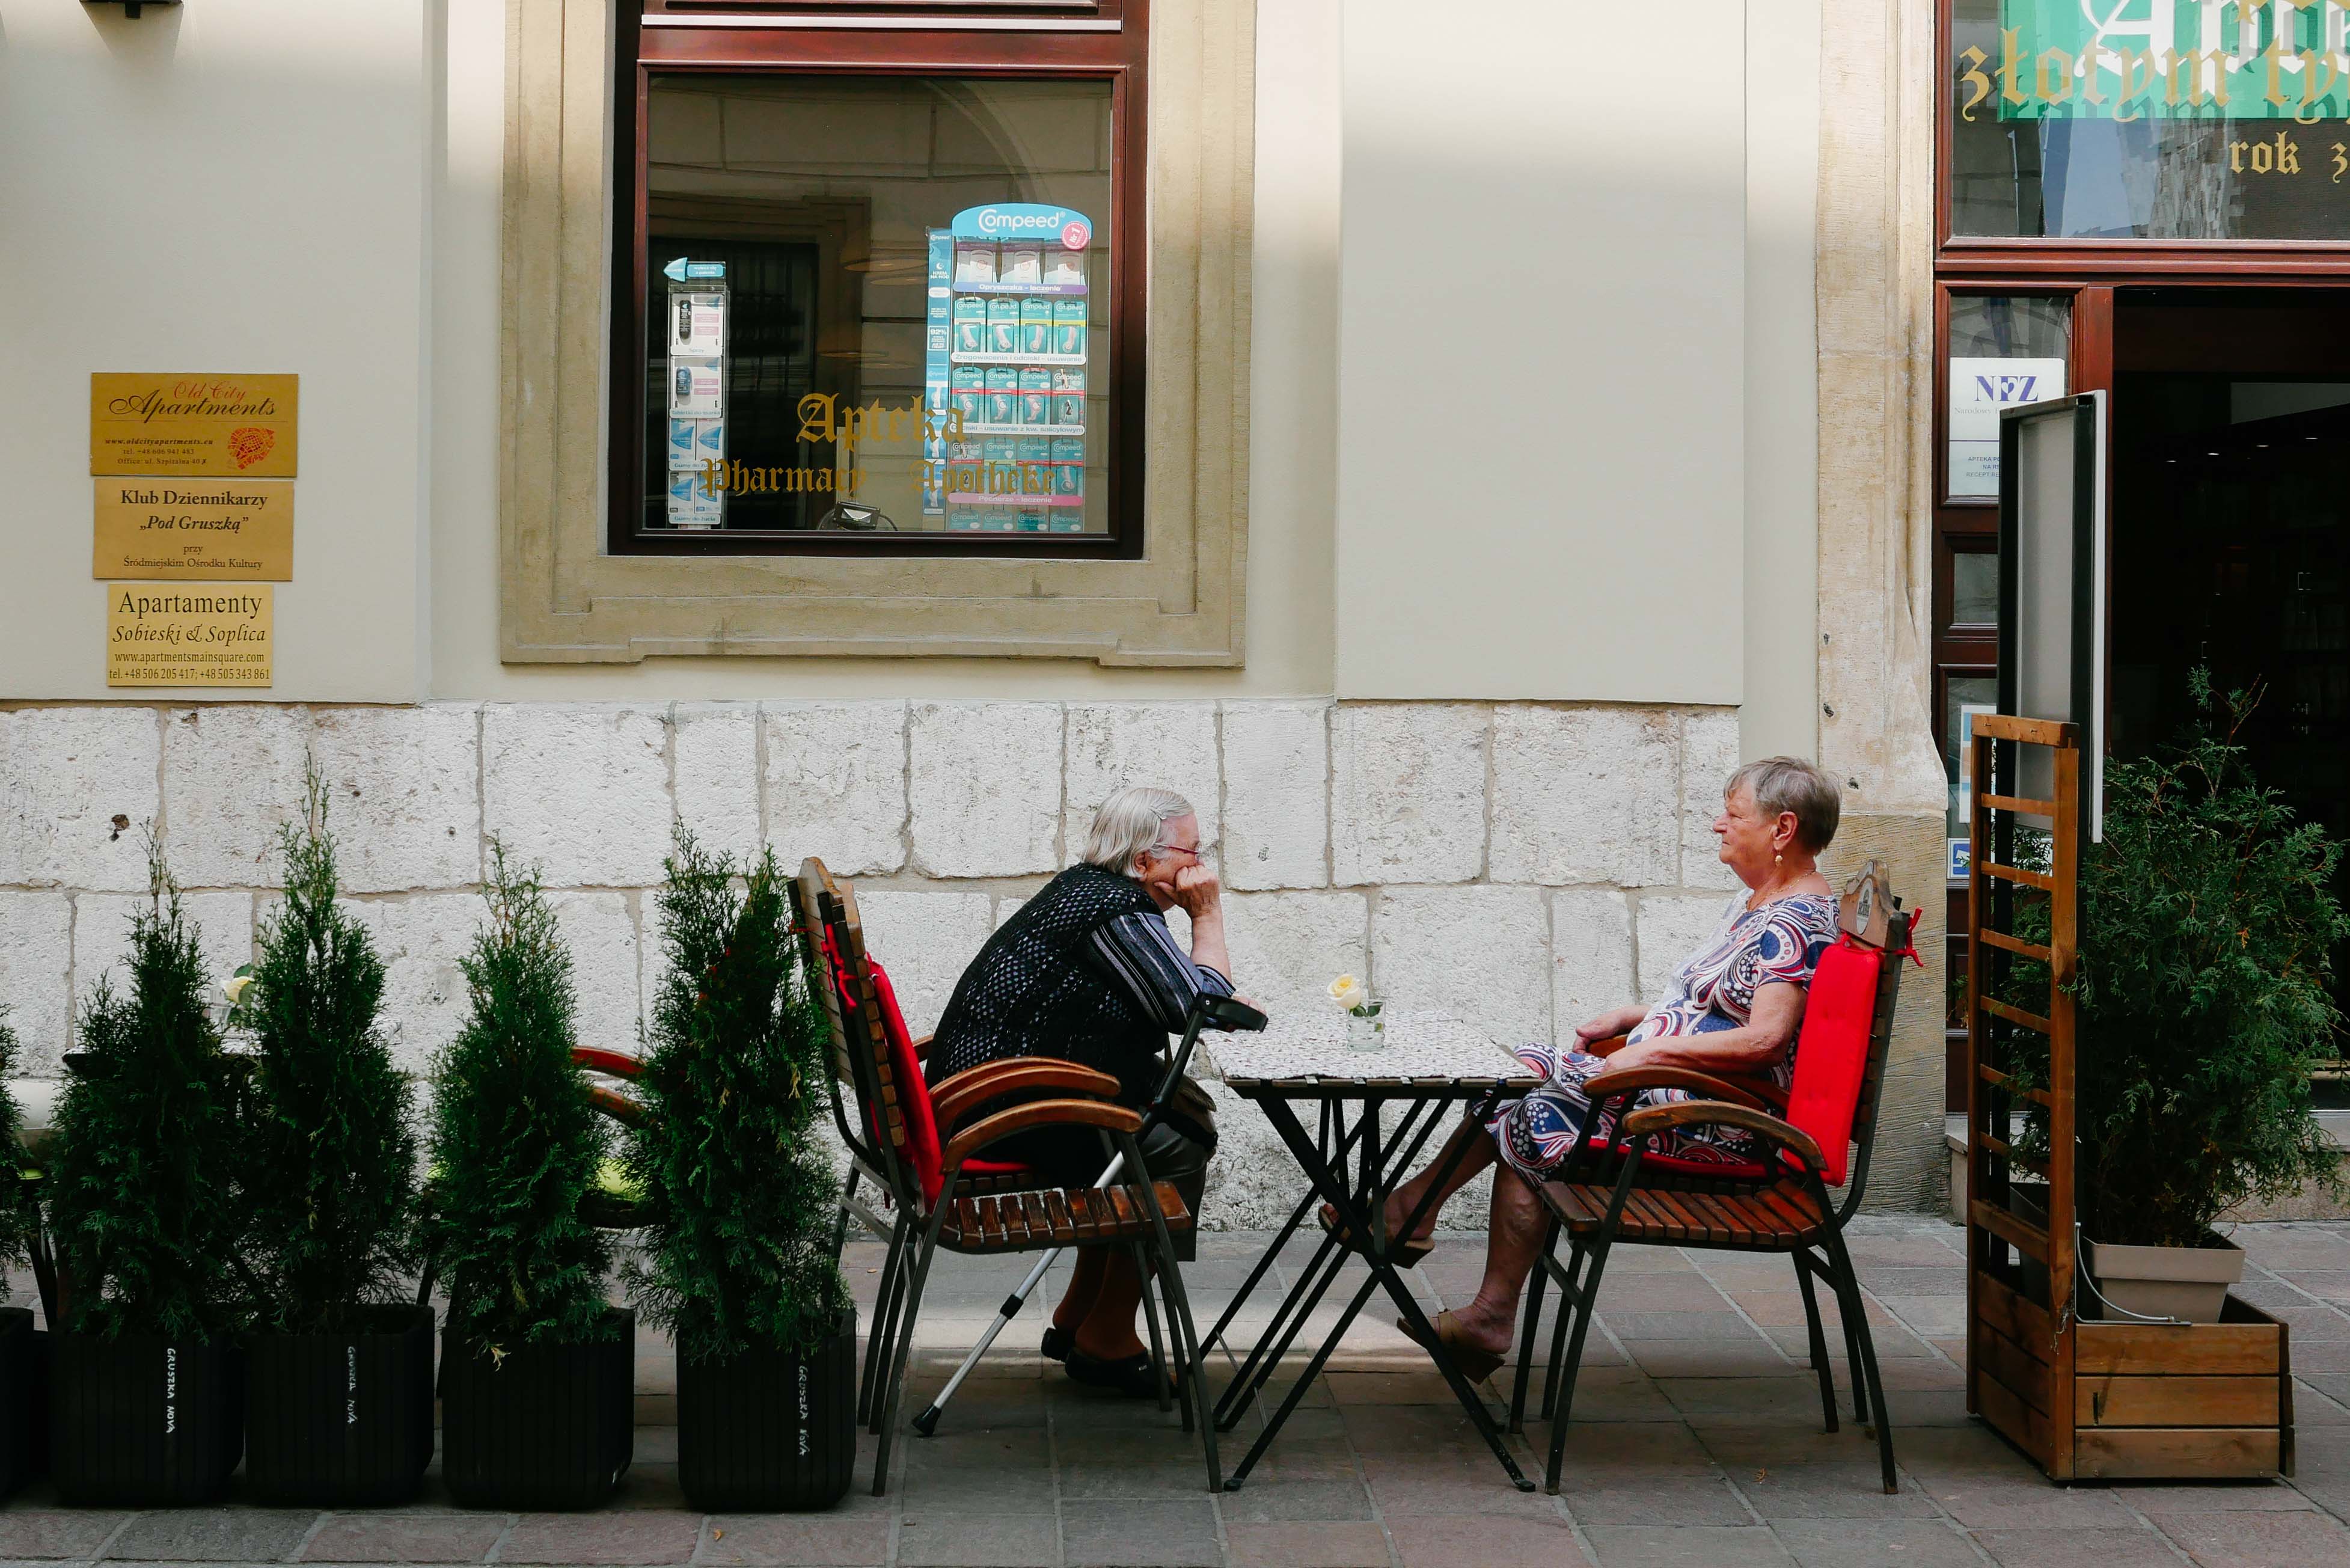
[[1731, 1012]]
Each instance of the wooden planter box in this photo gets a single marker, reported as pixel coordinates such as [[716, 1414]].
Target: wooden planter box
[[2210, 1401]]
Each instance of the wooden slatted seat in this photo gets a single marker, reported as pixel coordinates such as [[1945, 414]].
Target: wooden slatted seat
[[1024, 1222], [1779, 1205], [1764, 1220]]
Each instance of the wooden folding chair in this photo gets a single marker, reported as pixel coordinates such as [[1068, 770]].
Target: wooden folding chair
[[951, 1197], [1780, 1205]]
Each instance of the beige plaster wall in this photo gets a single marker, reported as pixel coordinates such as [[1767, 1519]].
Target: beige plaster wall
[[1781, 710], [228, 188], [1542, 444]]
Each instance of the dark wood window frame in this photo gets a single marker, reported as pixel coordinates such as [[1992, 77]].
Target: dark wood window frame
[[2086, 271], [1030, 40]]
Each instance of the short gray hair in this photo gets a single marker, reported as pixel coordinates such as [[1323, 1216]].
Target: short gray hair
[[1129, 824], [1791, 784]]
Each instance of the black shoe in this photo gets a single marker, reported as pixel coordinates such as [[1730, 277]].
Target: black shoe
[[1136, 1377], [1058, 1341]]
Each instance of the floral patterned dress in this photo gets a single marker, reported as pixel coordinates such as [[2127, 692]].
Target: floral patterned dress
[[1714, 989]]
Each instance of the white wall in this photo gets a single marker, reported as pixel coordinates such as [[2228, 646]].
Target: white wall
[[220, 187], [1541, 484], [1782, 166]]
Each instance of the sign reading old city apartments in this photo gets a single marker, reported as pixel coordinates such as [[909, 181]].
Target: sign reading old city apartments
[[238, 427], [192, 484]]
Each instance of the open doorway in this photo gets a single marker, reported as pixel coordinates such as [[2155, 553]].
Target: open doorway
[[2230, 526]]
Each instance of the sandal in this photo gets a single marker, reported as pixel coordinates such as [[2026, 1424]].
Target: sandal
[[1475, 1364], [1137, 1376], [1407, 1253]]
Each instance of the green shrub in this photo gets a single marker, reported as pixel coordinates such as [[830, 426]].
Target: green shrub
[[145, 1204], [19, 1200], [2207, 930], [332, 1172], [738, 1197], [515, 1140]]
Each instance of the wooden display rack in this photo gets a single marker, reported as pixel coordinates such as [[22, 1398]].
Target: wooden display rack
[[2085, 1400]]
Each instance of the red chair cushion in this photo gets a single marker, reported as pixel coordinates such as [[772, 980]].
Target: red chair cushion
[[922, 1151], [1832, 1052], [1722, 1169]]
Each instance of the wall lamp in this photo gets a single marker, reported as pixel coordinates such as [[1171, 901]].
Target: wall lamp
[[130, 7]]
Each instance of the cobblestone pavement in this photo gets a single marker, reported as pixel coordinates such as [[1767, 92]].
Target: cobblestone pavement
[[1696, 1441]]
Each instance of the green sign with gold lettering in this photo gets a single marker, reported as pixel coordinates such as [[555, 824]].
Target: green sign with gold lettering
[[2133, 59]]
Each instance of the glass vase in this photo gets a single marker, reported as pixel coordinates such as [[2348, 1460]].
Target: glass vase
[[1365, 1033]]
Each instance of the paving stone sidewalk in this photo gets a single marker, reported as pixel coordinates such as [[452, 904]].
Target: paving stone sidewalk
[[1696, 1441]]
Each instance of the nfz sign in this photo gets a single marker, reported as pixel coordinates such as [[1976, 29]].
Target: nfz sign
[[1980, 388]]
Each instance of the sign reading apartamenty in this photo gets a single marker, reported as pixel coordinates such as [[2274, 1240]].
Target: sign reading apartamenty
[[198, 530], [172, 634], [214, 426]]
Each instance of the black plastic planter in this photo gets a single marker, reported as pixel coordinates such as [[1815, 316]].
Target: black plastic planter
[[144, 1422], [769, 1429], [544, 1427], [24, 1399], [341, 1421]]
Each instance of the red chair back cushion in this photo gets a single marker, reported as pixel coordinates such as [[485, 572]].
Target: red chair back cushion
[[921, 1150], [1832, 1052]]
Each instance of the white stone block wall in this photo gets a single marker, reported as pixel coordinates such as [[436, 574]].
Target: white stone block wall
[[1527, 864]]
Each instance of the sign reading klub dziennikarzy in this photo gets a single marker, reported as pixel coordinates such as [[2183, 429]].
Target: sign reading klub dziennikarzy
[[193, 425], [2138, 59]]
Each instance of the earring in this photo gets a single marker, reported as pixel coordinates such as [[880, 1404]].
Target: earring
[[1777, 858]]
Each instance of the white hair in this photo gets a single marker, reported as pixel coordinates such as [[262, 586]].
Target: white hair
[[1129, 825]]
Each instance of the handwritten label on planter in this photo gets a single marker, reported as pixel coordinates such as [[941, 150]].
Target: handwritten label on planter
[[194, 530], [219, 426], [164, 633]]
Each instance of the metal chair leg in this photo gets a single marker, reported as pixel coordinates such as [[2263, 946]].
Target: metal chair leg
[[895, 1372], [1820, 1362], [840, 1223], [885, 1300], [1179, 1314], [1576, 1259], [1530, 1328], [1580, 1305], [1158, 1351], [1847, 1281]]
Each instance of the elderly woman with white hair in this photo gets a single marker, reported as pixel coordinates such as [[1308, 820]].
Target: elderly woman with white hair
[[1731, 1012], [1088, 972]]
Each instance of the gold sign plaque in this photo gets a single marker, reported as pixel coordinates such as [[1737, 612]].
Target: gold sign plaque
[[225, 426], [192, 530], [171, 634]]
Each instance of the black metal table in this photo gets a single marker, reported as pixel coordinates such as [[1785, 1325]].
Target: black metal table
[[1371, 1125]]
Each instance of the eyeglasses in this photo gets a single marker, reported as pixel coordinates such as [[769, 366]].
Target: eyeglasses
[[1174, 848]]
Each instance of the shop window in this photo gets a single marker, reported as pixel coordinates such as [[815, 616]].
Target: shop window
[[2151, 119], [878, 308], [754, 192]]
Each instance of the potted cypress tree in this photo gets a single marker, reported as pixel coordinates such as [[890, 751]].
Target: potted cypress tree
[[2208, 927], [737, 1196], [24, 1352], [147, 1399], [2202, 1000], [537, 1370], [339, 1397]]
